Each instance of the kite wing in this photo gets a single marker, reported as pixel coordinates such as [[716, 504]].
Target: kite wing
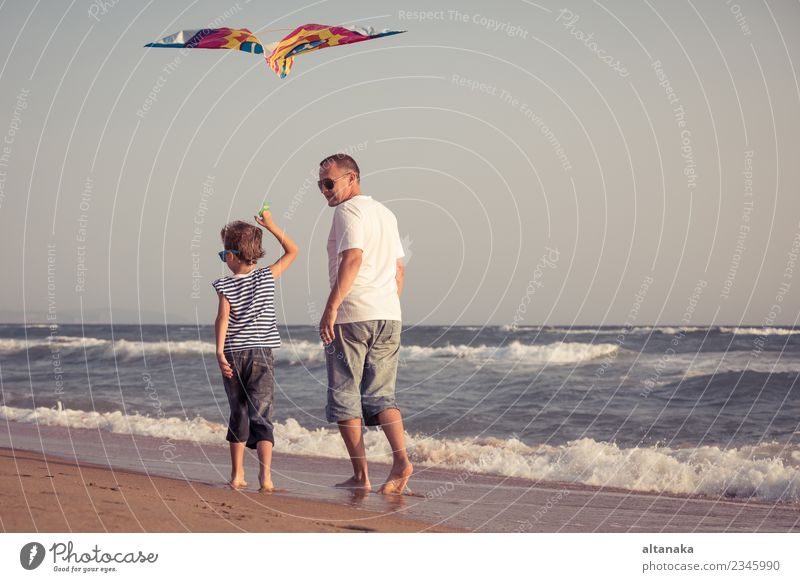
[[213, 38], [306, 38], [311, 37]]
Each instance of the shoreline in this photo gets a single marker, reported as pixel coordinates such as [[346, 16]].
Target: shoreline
[[443, 500]]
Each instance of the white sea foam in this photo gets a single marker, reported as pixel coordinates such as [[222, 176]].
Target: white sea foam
[[197, 430], [715, 363], [121, 348], [759, 330], [783, 366], [306, 352], [676, 330], [704, 470], [769, 472], [10, 346], [555, 353], [638, 330], [667, 330]]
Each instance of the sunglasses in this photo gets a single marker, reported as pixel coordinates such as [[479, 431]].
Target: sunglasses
[[327, 183], [222, 254]]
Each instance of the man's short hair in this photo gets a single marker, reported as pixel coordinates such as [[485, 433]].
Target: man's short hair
[[344, 162]]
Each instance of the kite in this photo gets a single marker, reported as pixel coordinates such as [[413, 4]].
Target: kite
[[306, 38]]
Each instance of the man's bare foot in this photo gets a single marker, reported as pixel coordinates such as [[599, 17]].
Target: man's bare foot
[[265, 481], [353, 483], [397, 480]]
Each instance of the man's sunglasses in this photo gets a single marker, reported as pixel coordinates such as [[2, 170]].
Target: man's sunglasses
[[222, 254], [327, 183]]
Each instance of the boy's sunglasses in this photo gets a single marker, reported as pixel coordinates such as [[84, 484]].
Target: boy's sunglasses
[[222, 254], [327, 183]]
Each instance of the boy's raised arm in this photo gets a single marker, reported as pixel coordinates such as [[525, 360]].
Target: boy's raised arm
[[290, 249]]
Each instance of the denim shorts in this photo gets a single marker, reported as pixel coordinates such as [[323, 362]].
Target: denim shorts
[[362, 370], [250, 393]]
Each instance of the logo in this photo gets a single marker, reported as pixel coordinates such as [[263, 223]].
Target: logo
[[31, 555]]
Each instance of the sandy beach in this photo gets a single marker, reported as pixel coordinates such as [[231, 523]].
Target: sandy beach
[[49, 494], [60, 479]]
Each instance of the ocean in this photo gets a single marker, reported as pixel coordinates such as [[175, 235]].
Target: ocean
[[709, 411]]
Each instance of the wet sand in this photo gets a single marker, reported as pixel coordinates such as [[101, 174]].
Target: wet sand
[[41, 493], [100, 481]]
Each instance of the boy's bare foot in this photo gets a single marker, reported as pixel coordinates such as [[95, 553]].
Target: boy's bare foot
[[266, 487], [397, 479], [353, 483], [237, 480]]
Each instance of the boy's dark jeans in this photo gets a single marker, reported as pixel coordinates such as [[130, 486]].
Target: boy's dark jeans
[[250, 394]]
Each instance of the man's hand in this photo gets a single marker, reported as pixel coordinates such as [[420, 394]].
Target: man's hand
[[400, 276], [224, 366], [326, 333], [349, 265]]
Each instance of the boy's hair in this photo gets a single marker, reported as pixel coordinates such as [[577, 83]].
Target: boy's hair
[[245, 238], [344, 162]]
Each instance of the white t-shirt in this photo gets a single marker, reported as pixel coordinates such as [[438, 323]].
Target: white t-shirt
[[366, 224]]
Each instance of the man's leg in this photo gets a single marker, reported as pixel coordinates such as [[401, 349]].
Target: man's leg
[[378, 394], [353, 438], [344, 358], [392, 424]]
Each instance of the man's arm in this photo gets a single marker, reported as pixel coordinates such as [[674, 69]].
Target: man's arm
[[400, 276], [221, 329], [349, 266]]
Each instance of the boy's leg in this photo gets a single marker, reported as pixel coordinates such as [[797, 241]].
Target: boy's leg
[[237, 424], [353, 438], [392, 424], [237, 466], [260, 393], [265, 464]]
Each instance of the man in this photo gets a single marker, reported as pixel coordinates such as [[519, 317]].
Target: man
[[360, 326]]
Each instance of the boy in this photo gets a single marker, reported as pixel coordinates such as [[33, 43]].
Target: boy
[[246, 332]]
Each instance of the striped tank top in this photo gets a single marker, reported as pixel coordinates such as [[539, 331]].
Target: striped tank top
[[251, 323]]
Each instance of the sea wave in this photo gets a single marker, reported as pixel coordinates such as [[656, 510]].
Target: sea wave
[[768, 471], [760, 367], [708, 470], [120, 348], [554, 353], [648, 329], [716, 363], [637, 330], [307, 352], [10, 346], [759, 330]]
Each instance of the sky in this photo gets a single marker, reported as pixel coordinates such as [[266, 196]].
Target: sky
[[573, 163]]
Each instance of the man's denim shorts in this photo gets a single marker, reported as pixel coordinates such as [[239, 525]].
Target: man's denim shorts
[[362, 370], [250, 394]]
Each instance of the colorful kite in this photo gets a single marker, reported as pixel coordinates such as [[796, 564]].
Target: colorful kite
[[306, 38]]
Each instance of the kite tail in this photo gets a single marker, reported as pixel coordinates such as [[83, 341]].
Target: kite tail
[[281, 66]]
